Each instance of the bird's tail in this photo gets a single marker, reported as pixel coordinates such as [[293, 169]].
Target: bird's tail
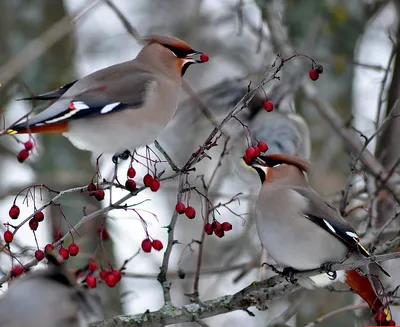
[[59, 127], [366, 289]]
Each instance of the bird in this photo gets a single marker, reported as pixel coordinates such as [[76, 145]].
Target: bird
[[300, 230], [47, 298], [121, 107]]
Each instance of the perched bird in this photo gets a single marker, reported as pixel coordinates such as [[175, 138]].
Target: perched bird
[[301, 231], [120, 107], [47, 298]]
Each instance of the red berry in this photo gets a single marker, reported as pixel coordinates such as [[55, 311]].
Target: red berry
[[103, 233], [103, 274], [8, 236], [391, 323], [28, 145], [63, 252], [146, 245], [39, 216], [190, 212], [17, 270], [147, 180], [99, 195], [130, 185], [73, 249], [23, 155], [180, 208], [131, 172], [268, 106], [216, 226], [33, 224], [262, 146], [14, 212], [92, 265], [91, 187], [220, 233], [155, 185], [380, 316], [250, 152], [314, 75], [49, 248], [117, 274], [39, 255], [157, 245], [111, 280], [247, 159], [208, 229], [257, 150], [204, 57], [226, 226], [91, 281]]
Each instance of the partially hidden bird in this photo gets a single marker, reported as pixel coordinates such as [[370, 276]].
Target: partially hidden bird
[[47, 298], [300, 230], [121, 107]]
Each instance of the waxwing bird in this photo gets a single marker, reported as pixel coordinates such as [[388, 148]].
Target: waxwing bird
[[48, 298], [301, 231], [120, 107]]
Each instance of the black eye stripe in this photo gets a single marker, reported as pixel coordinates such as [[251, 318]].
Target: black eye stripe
[[273, 162], [180, 53]]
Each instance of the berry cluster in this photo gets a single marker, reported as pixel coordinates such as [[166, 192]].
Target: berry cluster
[[98, 193], [110, 277], [24, 154], [217, 228], [189, 211], [130, 184], [102, 233], [147, 245], [255, 151], [151, 182], [73, 250]]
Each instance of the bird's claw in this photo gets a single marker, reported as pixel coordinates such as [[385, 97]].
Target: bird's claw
[[327, 269], [272, 267], [288, 273], [123, 156]]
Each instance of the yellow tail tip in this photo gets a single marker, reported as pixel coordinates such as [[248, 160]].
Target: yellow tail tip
[[388, 316], [9, 132]]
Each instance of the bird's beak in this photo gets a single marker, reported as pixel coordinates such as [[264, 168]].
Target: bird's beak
[[256, 161], [196, 57]]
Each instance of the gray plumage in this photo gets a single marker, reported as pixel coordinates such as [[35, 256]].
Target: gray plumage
[[44, 298]]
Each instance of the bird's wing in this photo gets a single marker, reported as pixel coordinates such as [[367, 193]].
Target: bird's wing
[[95, 96], [329, 218], [51, 95]]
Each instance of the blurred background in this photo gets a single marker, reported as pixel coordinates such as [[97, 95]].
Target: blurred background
[[48, 43]]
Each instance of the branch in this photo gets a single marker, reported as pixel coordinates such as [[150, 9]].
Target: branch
[[256, 294]]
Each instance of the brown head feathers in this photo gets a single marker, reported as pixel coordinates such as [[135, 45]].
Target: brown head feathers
[[180, 48], [273, 160]]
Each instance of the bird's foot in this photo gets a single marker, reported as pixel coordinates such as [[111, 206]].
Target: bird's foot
[[122, 155], [272, 267], [327, 269], [288, 273]]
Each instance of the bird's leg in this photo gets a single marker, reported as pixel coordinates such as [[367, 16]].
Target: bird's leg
[[288, 273], [327, 269]]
